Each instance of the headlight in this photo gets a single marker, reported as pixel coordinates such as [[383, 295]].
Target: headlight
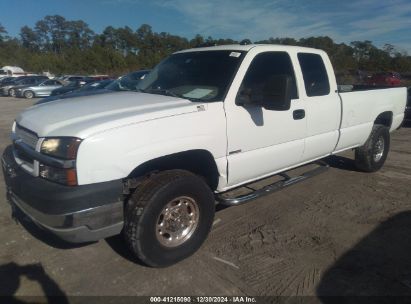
[[63, 147]]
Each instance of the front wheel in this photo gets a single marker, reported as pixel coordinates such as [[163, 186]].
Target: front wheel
[[372, 155], [168, 217], [12, 92]]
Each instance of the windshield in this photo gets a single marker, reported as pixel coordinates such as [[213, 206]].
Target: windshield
[[198, 76]]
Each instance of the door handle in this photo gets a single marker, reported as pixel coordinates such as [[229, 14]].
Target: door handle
[[298, 114]]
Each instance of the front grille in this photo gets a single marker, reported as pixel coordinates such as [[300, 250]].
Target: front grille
[[26, 136], [22, 155]]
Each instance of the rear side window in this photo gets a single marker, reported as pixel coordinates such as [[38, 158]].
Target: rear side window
[[314, 73], [50, 82], [265, 66]]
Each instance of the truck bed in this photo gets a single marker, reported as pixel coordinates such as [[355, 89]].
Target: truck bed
[[361, 107]]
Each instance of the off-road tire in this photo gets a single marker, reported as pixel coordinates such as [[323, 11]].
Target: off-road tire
[[145, 205], [364, 155], [28, 94]]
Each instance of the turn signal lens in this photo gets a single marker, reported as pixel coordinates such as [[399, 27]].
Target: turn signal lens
[[66, 177]]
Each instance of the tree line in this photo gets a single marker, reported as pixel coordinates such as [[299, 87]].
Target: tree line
[[63, 46]]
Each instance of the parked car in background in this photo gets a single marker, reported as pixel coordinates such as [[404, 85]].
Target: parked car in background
[[385, 79], [32, 81], [100, 77], [6, 79], [128, 82], [7, 90], [71, 86], [96, 85], [69, 78], [92, 88], [42, 89], [9, 81]]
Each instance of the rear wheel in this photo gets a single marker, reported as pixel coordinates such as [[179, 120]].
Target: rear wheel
[[372, 155], [168, 217], [12, 92], [28, 94]]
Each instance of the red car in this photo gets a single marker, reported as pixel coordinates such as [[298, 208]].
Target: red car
[[385, 79]]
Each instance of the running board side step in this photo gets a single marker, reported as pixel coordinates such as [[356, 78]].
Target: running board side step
[[285, 182]]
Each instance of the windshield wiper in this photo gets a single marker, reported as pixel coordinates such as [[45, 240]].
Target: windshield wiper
[[163, 92], [171, 93]]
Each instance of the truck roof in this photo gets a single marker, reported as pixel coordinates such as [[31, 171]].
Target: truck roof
[[239, 47]]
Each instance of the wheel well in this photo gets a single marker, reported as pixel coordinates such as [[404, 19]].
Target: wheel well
[[385, 119], [200, 162]]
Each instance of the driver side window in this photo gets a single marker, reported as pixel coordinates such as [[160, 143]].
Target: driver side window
[[265, 68]]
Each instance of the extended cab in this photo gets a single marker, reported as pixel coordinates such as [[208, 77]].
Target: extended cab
[[150, 163]]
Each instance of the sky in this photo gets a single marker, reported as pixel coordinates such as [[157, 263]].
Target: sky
[[381, 21]]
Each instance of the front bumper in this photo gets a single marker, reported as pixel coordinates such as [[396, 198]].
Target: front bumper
[[75, 214], [4, 91]]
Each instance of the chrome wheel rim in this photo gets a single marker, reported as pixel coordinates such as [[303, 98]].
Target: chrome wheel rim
[[378, 149], [177, 221], [29, 94]]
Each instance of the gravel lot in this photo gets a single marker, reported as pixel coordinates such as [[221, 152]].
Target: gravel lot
[[340, 233]]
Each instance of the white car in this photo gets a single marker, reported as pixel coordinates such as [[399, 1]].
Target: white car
[[152, 163]]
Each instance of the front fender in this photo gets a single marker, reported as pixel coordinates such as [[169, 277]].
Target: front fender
[[114, 154]]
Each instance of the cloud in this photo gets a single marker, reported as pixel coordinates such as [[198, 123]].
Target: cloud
[[344, 21], [360, 20], [244, 18]]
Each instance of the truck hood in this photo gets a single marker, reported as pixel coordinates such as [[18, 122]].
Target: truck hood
[[84, 116]]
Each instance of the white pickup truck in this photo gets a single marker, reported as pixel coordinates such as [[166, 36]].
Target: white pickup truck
[[151, 163]]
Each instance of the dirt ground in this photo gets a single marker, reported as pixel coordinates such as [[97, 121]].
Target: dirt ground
[[340, 233]]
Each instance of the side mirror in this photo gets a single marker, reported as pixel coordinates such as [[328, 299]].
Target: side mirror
[[277, 93], [274, 94]]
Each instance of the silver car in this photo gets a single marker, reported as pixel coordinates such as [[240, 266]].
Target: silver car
[[42, 90]]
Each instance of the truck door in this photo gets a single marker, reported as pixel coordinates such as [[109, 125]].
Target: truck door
[[261, 141], [322, 105]]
